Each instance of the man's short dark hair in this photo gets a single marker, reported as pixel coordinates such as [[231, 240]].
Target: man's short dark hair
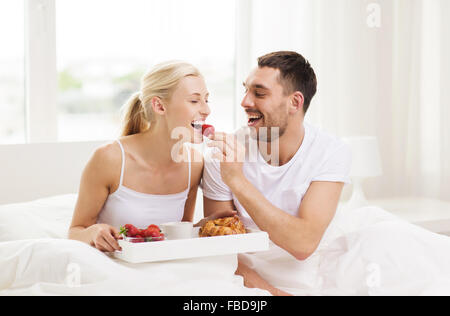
[[296, 73]]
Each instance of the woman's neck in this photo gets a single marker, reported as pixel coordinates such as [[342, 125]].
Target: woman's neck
[[156, 144]]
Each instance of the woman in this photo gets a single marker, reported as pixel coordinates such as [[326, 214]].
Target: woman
[[136, 180]]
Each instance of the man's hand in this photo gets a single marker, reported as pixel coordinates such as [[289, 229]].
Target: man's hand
[[216, 215], [254, 280], [231, 154]]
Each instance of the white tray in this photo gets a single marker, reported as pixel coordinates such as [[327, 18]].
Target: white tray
[[195, 247]]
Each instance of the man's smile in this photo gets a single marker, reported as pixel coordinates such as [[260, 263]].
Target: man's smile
[[254, 119]]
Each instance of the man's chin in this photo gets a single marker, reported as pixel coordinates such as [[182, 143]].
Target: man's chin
[[265, 134]]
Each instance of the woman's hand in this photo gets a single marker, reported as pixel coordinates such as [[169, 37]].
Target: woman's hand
[[105, 238], [216, 215]]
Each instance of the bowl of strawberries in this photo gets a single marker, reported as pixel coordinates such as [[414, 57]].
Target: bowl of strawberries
[[133, 234]]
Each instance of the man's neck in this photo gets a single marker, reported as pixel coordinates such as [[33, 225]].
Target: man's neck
[[288, 145]]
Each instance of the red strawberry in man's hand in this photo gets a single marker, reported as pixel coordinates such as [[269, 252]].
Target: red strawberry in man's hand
[[208, 130]]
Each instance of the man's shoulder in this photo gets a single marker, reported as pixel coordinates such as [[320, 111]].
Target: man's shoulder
[[324, 142]]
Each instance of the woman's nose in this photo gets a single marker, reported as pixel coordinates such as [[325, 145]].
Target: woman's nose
[[205, 110]]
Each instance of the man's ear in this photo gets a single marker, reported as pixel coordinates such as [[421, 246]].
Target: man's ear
[[297, 102], [158, 106]]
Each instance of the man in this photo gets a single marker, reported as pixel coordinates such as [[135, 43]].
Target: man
[[293, 197]]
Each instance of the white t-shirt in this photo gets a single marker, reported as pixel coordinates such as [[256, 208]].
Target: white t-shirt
[[321, 157]]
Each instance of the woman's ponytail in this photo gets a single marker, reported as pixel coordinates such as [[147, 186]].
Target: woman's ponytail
[[135, 118], [159, 82]]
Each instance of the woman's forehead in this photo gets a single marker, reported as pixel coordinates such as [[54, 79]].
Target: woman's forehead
[[191, 85]]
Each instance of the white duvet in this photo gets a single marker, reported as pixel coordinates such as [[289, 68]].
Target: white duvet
[[36, 259], [364, 252]]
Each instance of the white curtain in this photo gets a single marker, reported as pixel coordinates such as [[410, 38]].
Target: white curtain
[[390, 80]]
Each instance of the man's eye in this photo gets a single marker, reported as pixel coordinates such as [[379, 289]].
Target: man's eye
[[194, 101], [259, 95]]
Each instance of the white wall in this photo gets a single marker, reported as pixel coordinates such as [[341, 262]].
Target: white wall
[[32, 171]]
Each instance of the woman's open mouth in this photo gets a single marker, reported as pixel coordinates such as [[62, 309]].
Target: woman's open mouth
[[197, 125], [198, 136]]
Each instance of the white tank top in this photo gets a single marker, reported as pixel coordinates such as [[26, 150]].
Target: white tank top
[[126, 206]]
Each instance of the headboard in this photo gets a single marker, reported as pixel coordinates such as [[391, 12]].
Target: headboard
[[33, 171]]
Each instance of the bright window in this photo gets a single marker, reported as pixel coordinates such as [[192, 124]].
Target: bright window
[[12, 87], [104, 47]]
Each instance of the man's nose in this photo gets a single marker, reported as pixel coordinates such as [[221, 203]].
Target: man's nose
[[247, 102]]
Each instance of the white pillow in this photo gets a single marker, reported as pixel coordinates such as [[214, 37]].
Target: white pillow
[[44, 218]]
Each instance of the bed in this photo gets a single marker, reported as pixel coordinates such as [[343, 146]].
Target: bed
[[365, 251]]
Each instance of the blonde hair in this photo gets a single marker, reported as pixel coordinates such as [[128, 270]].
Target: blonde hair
[[161, 82]]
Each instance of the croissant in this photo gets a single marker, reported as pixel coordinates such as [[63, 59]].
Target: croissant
[[222, 227]]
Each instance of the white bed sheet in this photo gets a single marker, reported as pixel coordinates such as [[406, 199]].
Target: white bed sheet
[[37, 259], [364, 252]]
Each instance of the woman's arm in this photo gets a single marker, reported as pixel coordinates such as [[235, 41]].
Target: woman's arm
[[95, 186], [189, 208], [196, 176]]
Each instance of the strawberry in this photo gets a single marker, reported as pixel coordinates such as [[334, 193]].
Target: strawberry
[[151, 231], [155, 233], [129, 230], [154, 226], [145, 233], [208, 130]]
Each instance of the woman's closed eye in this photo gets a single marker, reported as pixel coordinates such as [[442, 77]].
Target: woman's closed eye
[[195, 101]]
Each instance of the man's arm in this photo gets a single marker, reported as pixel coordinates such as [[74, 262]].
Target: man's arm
[[299, 235], [211, 207]]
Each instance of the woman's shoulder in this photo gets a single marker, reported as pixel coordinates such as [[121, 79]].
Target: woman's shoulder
[[108, 153], [103, 167], [106, 159]]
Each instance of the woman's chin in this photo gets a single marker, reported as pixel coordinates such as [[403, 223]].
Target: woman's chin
[[197, 140], [196, 137]]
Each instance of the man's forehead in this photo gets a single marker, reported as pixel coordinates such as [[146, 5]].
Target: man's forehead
[[263, 77]]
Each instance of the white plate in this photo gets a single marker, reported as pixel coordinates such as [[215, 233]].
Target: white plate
[[253, 241]]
